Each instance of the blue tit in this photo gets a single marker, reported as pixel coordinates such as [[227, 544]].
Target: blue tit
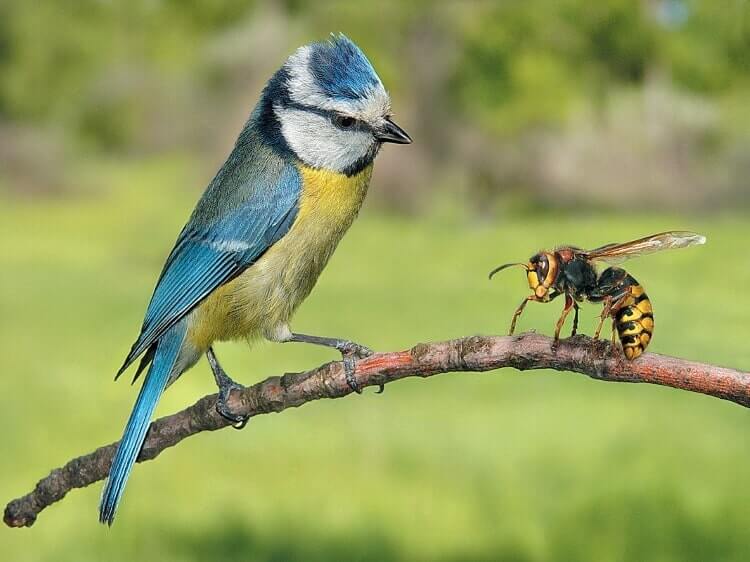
[[263, 230]]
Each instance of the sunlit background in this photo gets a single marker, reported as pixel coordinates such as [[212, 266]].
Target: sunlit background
[[535, 124]]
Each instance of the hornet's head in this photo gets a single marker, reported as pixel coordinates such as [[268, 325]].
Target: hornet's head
[[541, 273], [329, 107]]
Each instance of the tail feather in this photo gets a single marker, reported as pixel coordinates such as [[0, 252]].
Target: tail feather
[[167, 351]]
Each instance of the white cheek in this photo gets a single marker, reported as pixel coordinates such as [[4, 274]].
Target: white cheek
[[320, 144]]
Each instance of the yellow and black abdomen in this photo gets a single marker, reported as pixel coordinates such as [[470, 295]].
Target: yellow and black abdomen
[[634, 320], [630, 308]]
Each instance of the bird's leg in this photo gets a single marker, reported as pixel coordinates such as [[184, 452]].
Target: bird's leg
[[350, 351], [226, 385], [347, 348]]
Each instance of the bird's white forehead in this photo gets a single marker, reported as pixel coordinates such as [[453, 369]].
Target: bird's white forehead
[[304, 90]]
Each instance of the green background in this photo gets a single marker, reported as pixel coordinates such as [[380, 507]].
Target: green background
[[500, 466]]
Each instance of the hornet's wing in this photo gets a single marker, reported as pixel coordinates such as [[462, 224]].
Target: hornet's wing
[[216, 246], [614, 253]]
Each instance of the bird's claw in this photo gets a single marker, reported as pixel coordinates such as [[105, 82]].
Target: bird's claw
[[353, 350], [226, 386], [237, 421], [350, 367]]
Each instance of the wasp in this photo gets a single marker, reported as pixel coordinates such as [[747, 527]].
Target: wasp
[[571, 271]]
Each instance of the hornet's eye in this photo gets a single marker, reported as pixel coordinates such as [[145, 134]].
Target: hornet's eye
[[542, 268], [344, 121]]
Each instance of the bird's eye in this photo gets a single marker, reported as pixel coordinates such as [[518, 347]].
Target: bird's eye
[[344, 121]]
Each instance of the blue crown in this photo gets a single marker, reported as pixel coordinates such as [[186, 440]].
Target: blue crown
[[341, 69]]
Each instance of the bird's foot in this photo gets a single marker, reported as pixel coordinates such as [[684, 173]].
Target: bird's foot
[[353, 350], [226, 386], [350, 367], [222, 406], [350, 353]]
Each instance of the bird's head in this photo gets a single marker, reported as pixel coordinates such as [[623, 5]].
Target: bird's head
[[329, 107]]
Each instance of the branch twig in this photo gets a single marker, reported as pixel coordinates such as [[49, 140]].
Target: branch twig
[[480, 353]]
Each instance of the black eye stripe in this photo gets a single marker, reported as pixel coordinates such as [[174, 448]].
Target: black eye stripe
[[344, 121], [332, 116], [309, 108]]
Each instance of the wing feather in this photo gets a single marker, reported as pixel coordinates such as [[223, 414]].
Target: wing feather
[[207, 256]]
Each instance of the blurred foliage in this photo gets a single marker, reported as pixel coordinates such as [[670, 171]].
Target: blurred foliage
[[524, 63], [53, 52], [497, 94], [488, 87]]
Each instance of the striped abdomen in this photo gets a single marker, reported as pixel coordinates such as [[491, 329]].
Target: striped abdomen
[[635, 321]]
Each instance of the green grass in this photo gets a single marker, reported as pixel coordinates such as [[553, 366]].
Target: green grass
[[533, 466]]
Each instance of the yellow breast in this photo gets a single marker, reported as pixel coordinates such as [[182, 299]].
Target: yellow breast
[[266, 295]]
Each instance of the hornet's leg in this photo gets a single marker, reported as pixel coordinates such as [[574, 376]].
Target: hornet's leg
[[226, 385], [524, 302], [350, 351], [518, 312], [611, 305], [615, 347], [603, 316], [569, 302], [576, 308]]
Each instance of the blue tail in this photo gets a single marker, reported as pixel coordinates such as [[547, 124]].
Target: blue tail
[[154, 384]]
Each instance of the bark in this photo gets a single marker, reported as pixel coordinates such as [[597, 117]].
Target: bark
[[579, 354]]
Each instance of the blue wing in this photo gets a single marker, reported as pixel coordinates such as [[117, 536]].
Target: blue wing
[[239, 217]]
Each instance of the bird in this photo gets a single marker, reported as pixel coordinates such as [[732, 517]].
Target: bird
[[262, 231]]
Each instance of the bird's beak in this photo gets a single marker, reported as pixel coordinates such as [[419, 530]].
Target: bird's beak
[[390, 132]]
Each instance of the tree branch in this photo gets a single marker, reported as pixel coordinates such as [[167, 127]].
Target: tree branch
[[579, 354]]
